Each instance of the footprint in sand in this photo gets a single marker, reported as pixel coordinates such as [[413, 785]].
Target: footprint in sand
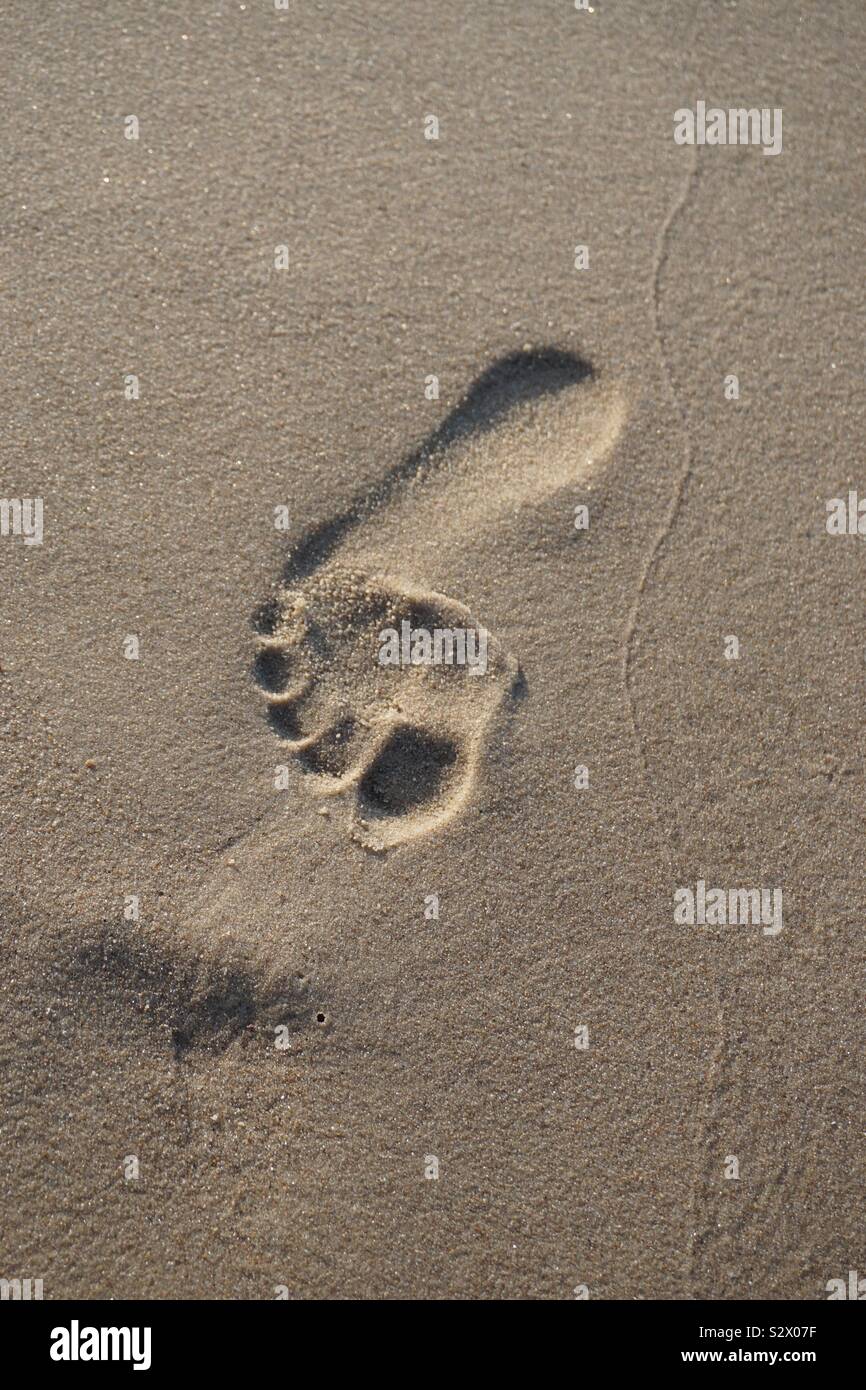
[[399, 744], [397, 748]]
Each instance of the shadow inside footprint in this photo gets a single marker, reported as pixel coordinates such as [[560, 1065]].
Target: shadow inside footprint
[[331, 752], [411, 770], [285, 722], [272, 669], [511, 381], [266, 617]]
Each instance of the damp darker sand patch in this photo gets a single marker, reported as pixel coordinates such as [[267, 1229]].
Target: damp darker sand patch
[[196, 1004]]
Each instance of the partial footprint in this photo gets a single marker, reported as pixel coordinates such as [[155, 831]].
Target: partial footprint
[[385, 693], [400, 740]]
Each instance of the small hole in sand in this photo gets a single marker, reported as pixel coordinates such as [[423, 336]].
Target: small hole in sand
[[320, 1018]]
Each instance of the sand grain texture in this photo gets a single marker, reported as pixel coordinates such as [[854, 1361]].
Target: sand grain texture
[[409, 1036]]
